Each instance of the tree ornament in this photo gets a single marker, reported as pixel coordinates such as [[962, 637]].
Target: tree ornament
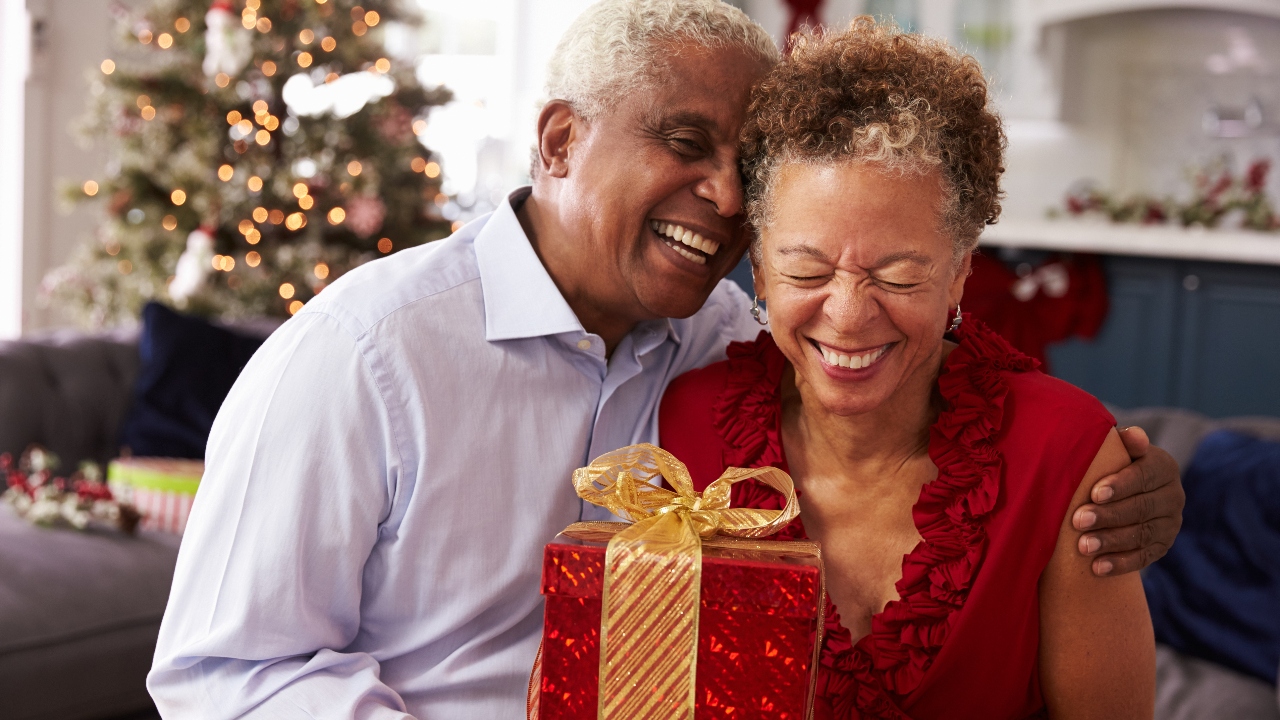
[[228, 45], [365, 214], [194, 265]]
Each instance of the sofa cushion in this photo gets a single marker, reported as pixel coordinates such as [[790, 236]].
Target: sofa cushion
[[79, 615], [68, 392], [187, 368], [1215, 594]]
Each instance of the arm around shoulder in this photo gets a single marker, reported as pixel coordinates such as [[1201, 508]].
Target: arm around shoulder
[[1097, 648]]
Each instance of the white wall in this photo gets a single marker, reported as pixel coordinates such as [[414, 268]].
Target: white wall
[[14, 34], [71, 38]]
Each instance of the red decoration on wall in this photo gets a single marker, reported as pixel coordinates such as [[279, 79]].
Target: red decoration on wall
[[803, 12], [1064, 297]]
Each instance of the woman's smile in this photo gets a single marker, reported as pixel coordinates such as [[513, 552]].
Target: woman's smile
[[840, 363]]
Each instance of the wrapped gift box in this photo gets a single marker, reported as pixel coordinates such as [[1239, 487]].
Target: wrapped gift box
[[759, 630], [162, 489]]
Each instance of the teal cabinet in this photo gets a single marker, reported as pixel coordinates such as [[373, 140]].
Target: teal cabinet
[[1203, 336]]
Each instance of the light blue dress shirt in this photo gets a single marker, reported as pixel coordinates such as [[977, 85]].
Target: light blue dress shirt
[[367, 540]]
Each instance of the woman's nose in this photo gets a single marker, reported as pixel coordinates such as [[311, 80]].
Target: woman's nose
[[850, 306]]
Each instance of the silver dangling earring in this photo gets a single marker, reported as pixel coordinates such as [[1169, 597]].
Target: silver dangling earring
[[755, 311], [955, 321]]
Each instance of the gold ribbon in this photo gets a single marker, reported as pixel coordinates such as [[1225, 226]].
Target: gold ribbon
[[653, 572]]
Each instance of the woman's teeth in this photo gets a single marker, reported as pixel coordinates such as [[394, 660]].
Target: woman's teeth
[[683, 236], [852, 361]]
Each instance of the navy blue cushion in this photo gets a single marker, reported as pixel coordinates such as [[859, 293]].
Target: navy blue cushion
[[1216, 594], [188, 367]]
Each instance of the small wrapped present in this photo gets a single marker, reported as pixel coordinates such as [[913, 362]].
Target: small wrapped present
[[162, 489], [683, 614]]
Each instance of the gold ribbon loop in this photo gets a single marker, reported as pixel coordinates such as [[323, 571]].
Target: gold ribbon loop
[[653, 572]]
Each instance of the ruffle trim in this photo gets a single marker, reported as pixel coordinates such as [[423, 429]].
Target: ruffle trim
[[869, 679]]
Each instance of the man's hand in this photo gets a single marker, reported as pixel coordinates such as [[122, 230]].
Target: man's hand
[[1136, 513]]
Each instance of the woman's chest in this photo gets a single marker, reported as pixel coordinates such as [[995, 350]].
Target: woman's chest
[[863, 538]]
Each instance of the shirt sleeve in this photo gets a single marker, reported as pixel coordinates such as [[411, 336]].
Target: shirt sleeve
[[301, 467]]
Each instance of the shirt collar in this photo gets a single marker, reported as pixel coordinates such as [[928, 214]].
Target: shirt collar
[[520, 299]]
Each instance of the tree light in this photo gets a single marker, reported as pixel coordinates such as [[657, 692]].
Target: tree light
[[178, 196], [304, 59], [90, 188], [306, 37], [260, 214], [337, 215], [182, 24], [252, 259], [321, 270], [255, 184], [294, 307], [432, 170], [384, 245], [286, 290], [165, 41], [169, 222], [225, 173], [300, 190], [328, 44], [108, 66], [354, 168]]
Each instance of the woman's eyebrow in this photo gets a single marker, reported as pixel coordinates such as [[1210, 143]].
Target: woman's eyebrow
[[910, 256], [802, 249]]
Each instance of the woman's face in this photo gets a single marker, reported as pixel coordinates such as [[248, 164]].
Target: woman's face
[[859, 281]]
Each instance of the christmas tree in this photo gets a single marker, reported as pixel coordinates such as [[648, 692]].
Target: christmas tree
[[260, 149]]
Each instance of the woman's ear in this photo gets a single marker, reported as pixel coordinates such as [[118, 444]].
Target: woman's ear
[[558, 128], [962, 273], [757, 274]]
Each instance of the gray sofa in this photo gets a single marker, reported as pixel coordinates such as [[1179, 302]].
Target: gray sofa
[[79, 612]]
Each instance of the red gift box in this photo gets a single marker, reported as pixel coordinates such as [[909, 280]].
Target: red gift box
[[759, 630]]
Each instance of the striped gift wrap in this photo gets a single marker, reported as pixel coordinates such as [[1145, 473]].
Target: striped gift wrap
[[162, 489]]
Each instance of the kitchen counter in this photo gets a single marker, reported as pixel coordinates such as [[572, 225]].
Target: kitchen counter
[[1069, 235]]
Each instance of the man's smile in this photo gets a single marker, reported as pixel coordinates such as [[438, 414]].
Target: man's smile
[[690, 244]]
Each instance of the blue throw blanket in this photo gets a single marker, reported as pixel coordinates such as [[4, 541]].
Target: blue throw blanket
[[1216, 594]]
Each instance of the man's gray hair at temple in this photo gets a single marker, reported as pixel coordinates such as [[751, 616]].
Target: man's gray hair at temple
[[615, 45]]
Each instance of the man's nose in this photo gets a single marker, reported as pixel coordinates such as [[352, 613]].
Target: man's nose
[[723, 188]]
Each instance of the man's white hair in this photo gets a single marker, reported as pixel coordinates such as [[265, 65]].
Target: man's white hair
[[615, 45]]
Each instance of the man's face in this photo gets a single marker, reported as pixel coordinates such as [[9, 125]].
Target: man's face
[[654, 201]]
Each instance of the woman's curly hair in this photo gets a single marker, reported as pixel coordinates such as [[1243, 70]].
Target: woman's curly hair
[[876, 94]]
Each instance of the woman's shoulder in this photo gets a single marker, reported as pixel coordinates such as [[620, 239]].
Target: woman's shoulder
[[718, 415]]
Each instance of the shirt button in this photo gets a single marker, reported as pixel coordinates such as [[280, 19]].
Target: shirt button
[[584, 344]]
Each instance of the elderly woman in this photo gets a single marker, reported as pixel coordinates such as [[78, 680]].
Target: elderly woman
[[938, 469]]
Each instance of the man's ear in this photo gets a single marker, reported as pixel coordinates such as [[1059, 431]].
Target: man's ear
[[558, 128]]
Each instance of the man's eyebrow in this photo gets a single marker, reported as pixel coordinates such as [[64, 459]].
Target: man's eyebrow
[[663, 120]]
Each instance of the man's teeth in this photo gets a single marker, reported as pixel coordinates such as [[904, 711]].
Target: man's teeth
[[852, 361], [687, 237]]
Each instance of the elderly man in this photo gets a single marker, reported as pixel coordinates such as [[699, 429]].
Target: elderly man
[[367, 540]]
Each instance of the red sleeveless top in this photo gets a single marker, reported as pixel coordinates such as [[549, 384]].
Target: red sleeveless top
[[1011, 446]]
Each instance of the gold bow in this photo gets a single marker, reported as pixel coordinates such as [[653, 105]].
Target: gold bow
[[653, 572]]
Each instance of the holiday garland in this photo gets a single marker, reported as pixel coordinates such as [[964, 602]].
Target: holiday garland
[[38, 496], [1219, 199]]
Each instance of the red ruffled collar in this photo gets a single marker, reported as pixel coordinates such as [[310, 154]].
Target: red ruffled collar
[[873, 677]]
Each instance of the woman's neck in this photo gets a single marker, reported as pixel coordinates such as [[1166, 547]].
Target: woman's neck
[[871, 445]]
